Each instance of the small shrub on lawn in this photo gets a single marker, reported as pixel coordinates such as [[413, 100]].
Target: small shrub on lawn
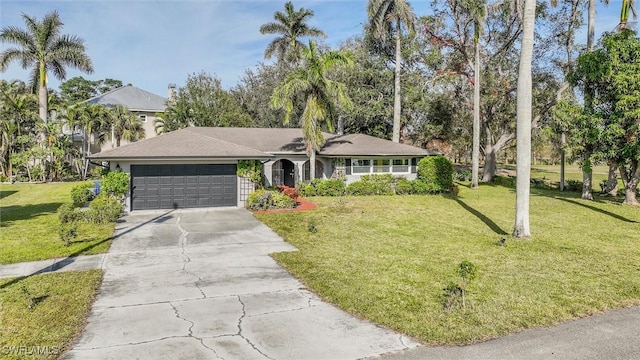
[[81, 193], [69, 217], [266, 199], [508, 181], [289, 191], [437, 171], [103, 209], [404, 187], [330, 187], [574, 185], [462, 175], [454, 293]]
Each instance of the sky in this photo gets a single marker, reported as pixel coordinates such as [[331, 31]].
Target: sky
[[152, 43]]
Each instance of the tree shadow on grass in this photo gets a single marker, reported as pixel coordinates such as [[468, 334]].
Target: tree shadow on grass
[[601, 211], [9, 214], [5, 193], [71, 258], [492, 225]]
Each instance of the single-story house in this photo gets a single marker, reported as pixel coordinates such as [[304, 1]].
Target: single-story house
[[196, 166]]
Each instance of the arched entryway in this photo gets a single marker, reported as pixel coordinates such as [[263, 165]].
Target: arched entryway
[[307, 170], [283, 173]]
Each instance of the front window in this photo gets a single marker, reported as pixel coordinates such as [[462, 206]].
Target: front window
[[361, 166], [142, 118], [381, 166], [401, 165]]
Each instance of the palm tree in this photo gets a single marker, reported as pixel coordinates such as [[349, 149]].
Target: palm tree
[[124, 125], [386, 19], [322, 96], [290, 25], [42, 48], [628, 7], [523, 125], [17, 117]]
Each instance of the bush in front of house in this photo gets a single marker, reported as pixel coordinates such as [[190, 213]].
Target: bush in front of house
[[103, 209], [307, 190], [375, 184], [81, 193], [331, 187], [116, 184], [404, 187], [68, 216], [436, 172], [268, 199], [289, 191]]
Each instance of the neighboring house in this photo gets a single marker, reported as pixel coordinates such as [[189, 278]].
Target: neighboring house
[[196, 166], [141, 103]]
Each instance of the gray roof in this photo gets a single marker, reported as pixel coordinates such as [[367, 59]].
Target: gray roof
[[258, 143], [131, 97]]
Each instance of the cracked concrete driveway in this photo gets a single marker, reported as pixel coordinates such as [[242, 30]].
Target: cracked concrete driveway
[[199, 284]]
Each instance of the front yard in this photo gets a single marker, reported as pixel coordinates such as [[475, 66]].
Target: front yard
[[388, 259], [29, 225]]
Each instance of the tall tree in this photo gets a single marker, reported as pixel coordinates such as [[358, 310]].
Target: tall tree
[[523, 124], [322, 96], [124, 125], [290, 25], [202, 102], [478, 9], [386, 20], [42, 48]]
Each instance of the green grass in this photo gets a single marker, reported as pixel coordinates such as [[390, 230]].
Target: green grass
[[29, 225], [388, 259], [44, 313]]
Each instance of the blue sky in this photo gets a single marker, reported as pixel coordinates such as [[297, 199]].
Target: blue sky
[[153, 43]]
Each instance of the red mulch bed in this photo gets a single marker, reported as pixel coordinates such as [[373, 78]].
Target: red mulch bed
[[301, 205]]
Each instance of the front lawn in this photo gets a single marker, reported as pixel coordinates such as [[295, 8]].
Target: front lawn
[[41, 315], [29, 225], [388, 259]]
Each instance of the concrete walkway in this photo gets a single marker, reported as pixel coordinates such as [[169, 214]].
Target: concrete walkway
[[199, 284], [86, 262]]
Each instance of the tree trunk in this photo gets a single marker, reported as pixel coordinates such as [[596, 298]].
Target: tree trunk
[[523, 123], [612, 180], [396, 93], [587, 180], [475, 157], [312, 165], [563, 141], [42, 102], [340, 130], [630, 178], [490, 163]]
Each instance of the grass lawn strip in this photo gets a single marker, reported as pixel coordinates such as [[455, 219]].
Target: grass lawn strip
[[41, 315], [29, 225], [388, 259]]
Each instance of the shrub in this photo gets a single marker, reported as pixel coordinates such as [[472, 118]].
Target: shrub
[[462, 175], [574, 185], [330, 187], [455, 292], [404, 187], [420, 187], [68, 216], [289, 191], [437, 171], [116, 184], [81, 193], [376, 184], [307, 190], [103, 209], [266, 199], [98, 172], [509, 181], [250, 169]]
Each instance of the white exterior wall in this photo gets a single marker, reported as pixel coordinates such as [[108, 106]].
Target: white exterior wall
[[149, 132]]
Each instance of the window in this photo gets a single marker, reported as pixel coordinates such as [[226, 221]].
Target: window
[[381, 166], [401, 165], [361, 166], [143, 118]]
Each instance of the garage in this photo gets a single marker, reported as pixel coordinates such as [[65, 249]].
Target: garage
[[183, 186]]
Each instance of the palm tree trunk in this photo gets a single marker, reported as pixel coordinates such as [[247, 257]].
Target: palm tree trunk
[[312, 165], [523, 127], [475, 156], [396, 94]]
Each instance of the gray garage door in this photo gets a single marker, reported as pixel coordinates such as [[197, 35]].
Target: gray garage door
[[183, 186]]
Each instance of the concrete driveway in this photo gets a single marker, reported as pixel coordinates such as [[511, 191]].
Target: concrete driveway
[[200, 284]]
